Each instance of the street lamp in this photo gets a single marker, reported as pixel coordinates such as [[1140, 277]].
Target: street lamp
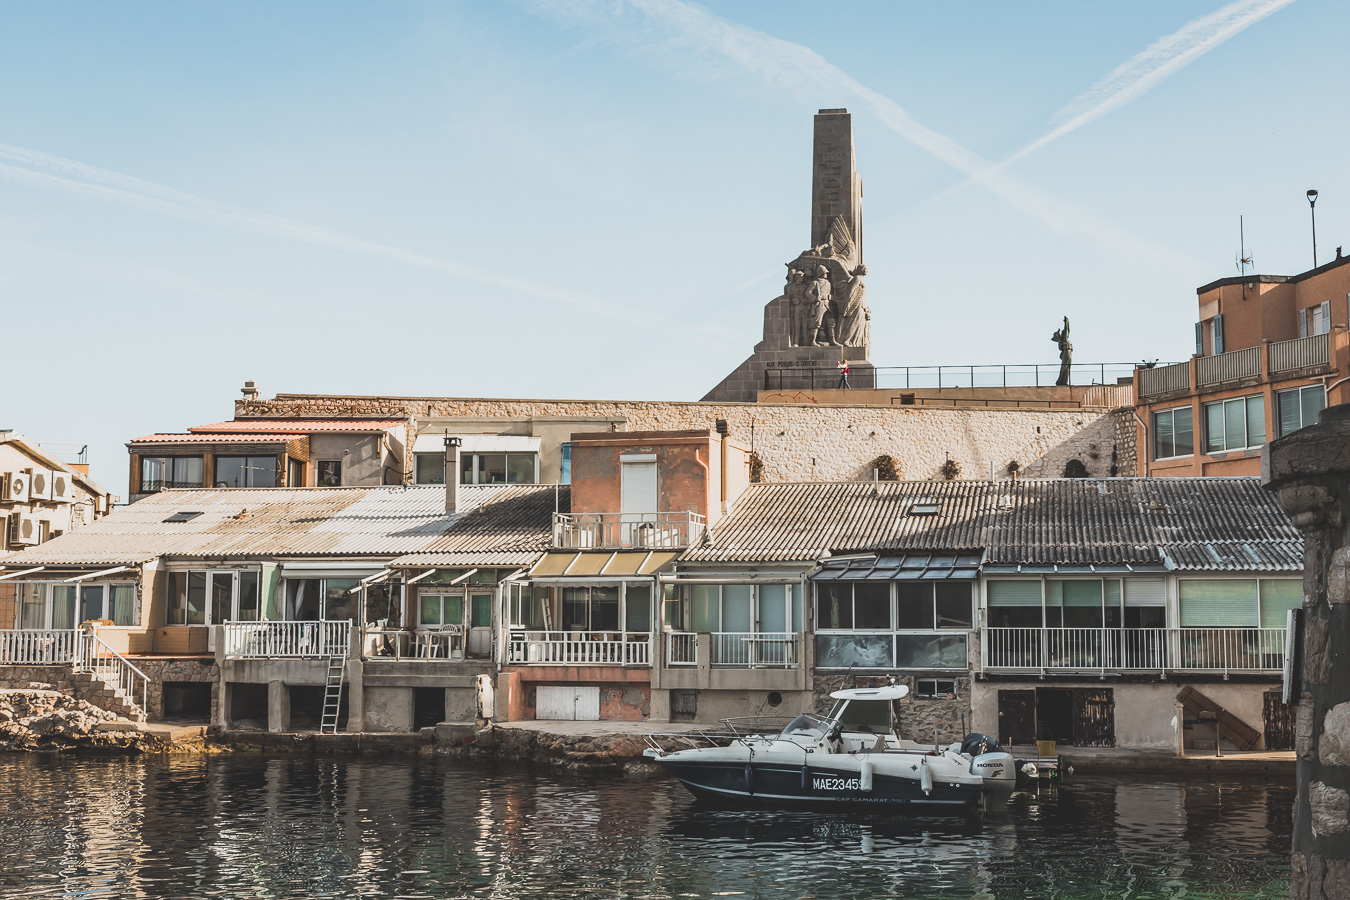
[[1312, 208]]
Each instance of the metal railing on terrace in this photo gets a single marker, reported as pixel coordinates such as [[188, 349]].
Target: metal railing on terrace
[[1134, 649], [637, 531], [32, 647], [1165, 379], [735, 649], [325, 638], [112, 668], [579, 648], [444, 644], [1301, 353], [968, 376], [1232, 366]]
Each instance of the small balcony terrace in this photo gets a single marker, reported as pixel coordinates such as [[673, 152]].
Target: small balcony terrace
[[635, 531], [1144, 650], [579, 648], [735, 650], [1280, 358]]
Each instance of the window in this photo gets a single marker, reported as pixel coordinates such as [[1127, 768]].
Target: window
[[900, 638], [1299, 407], [44, 605], [214, 596], [329, 473], [935, 688], [854, 606], [1238, 602], [295, 473], [929, 605], [429, 468], [566, 453], [246, 471], [1172, 433], [1314, 320], [1216, 335], [924, 508], [160, 472], [1235, 424], [499, 468]]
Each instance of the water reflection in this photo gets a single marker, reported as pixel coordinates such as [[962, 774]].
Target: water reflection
[[249, 826]]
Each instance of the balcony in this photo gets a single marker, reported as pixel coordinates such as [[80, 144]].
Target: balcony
[[34, 647], [1165, 380], [579, 648], [1222, 368], [324, 639], [635, 531], [1303, 353], [1160, 650], [735, 650], [440, 644]]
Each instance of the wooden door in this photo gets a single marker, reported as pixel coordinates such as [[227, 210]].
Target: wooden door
[[1016, 717], [1094, 720]]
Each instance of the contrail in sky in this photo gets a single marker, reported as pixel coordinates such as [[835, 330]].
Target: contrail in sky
[[19, 165], [683, 27], [1147, 69]]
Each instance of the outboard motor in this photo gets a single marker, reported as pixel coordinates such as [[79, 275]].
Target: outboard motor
[[990, 762]]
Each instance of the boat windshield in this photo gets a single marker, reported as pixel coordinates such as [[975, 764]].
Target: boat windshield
[[866, 716], [807, 725]]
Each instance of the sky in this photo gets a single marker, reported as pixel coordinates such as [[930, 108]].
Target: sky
[[595, 200]]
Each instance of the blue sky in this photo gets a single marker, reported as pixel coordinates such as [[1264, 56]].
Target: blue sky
[[595, 200]]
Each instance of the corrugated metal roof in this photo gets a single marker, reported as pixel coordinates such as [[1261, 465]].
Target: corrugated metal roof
[[216, 438], [1066, 522], [280, 522], [510, 525], [304, 426]]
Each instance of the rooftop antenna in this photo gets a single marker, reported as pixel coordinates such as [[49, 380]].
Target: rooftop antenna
[[1243, 259]]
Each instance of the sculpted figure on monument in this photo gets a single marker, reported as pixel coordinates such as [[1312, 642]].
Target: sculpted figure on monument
[[795, 291], [818, 295], [853, 315]]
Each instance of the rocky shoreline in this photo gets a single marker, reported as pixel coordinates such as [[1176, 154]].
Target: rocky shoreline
[[39, 719]]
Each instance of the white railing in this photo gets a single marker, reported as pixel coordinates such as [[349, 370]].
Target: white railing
[[754, 650], [681, 648], [436, 644], [1135, 649], [640, 531], [112, 668], [1302, 353], [1232, 366], [28, 647], [287, 640], [1165, 379], [578, 648]]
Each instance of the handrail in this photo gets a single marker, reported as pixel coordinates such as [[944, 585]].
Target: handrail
[[639, 531], [39, 647], [97, 658], [1300, 353], [970, 376], [318, 638], [1184, 649]]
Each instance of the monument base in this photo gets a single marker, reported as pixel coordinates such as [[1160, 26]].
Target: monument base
[[794, 369]]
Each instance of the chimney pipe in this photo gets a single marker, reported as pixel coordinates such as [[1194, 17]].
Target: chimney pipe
[[452, 444], [250, 391]]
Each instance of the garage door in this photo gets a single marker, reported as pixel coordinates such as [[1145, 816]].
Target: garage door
[[571, 703]]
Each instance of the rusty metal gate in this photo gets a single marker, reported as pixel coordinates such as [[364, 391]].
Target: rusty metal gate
[[683, 706], [1016, 717], [1279, 722], [1094, 722]]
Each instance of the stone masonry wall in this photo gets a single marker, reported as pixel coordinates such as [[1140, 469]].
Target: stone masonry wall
[[944, 719], [812, 442]]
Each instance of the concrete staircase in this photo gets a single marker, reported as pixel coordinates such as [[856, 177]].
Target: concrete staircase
[[92, 689]]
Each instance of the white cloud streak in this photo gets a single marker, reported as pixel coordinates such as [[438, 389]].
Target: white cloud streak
[[689, 32], [46, 171], [1145, 71]]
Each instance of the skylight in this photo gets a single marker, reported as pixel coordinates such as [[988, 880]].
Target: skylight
[[924, 508], [187, 516]]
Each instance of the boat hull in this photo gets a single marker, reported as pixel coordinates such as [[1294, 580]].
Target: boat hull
[[781, 785]]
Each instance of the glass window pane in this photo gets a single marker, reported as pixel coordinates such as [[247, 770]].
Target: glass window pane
[[429, 609], [196, 599], [834, 602], [122, 603], [466, 464], [429, 468], [1015, 593], [737, 608], [492, 468], [1256, 421], [707, 602], [222, 596], [91, 602], [340, 601], [481, 610], [1214, 431], [187, 471], [1185, 434], [1312, 400], [1288, 404], [32, 605], [638, 607], [566, 475], [452, 609], [63, 606], [955, 608], [248, 597], [262, 471], [329, 473], [1278, 596], [872, 605], [862, 651], [930, 651], [230, 471], [1234, 424], [574, 609], [1218, 603], [773, 610], [152, 473], [520, 468], [1163, 438], [605, 608], [914, 605]]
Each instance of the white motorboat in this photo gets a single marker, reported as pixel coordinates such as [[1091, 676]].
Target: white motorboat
[[850, 758]]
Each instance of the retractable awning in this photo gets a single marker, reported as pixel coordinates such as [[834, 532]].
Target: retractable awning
[[943, 565], [571, 565]]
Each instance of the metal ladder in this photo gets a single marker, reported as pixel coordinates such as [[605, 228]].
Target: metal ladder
[[332, 694]]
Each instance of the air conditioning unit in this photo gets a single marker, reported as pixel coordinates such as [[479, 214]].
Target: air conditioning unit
[[61, 487], [40, 484], [24, 530], [15, 487]]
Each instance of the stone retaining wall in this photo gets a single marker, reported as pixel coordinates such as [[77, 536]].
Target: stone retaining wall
[[810, 442], [941, 720]]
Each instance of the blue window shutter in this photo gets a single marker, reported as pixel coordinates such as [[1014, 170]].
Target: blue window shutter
[[1218, 334], [1200, 333]]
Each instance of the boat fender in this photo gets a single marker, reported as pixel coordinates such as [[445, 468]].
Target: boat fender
[[865, 776], [806, 776], [925, 779], [749, 779]]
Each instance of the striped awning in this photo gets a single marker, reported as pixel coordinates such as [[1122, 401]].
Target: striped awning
[[570, 565]]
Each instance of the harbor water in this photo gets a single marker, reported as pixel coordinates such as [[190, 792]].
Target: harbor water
[[250, 826]]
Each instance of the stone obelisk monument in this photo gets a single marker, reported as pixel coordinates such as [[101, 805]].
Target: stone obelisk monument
[[822, 317]]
